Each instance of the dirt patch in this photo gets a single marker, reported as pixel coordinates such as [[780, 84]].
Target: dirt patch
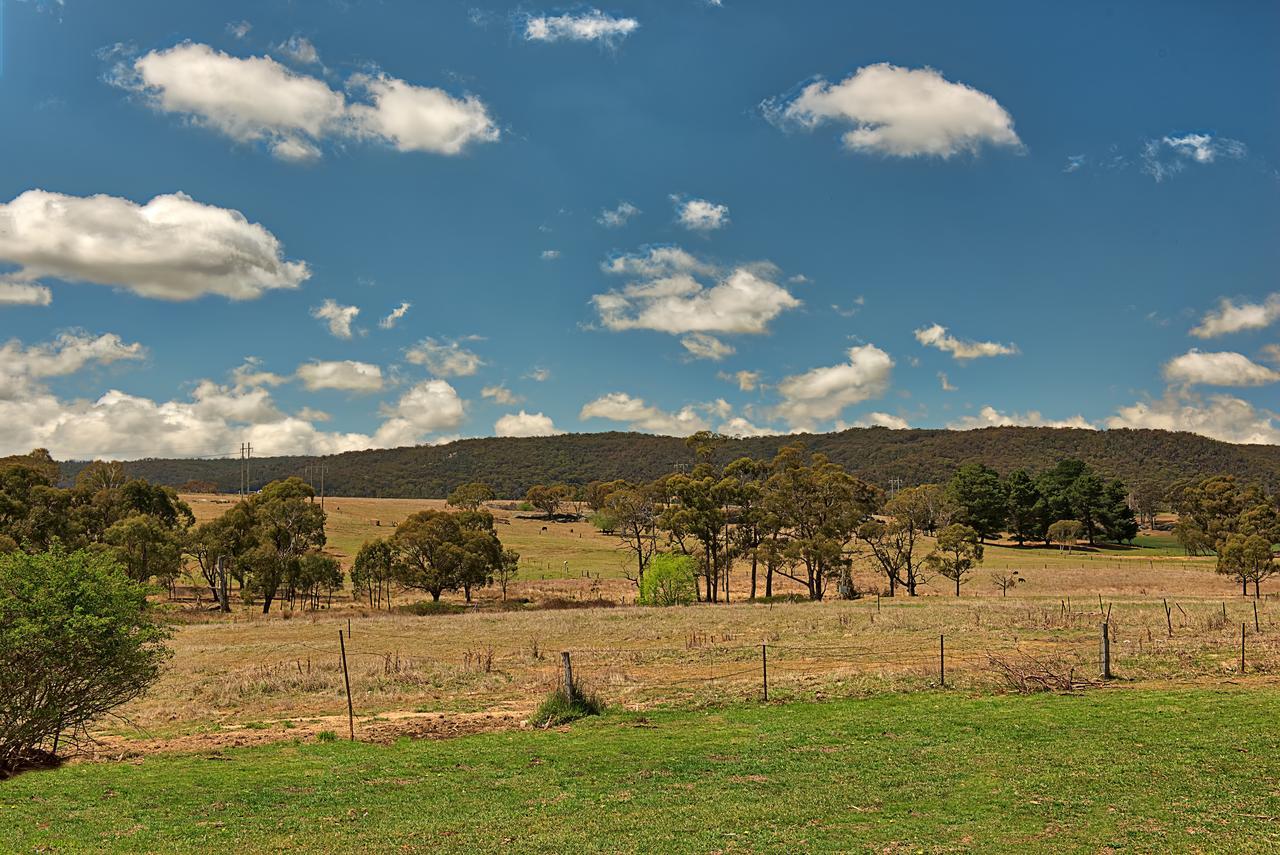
[[382, 729]]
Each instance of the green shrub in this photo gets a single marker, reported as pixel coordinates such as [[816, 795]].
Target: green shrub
[[77, 640], [426, 608], [327, 736], [557, 708], [669, 581]]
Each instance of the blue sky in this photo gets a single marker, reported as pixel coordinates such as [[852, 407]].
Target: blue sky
[[1085, 200]]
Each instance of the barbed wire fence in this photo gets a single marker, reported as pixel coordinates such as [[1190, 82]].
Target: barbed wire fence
[[1092, 649]]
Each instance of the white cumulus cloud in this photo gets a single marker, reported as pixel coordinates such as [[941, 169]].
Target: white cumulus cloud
[[300, 49], [396, 314], [989, 416], [821, 394], [1217, 369], [747, 381], [612, 218], [429, 407], [257, 99], [171, 248], [586, 26], [212, 421], [1222, 417], [887, 420], [903, 112], [677, 294], [1171, 154], [1232, 317], [704, 346], [444, 358], [420, 118], [338, 317], [23, 294], [347, 375], [621, 407], [525, 424], [67, 354], [500, 394], [700, 215], [936, 335]]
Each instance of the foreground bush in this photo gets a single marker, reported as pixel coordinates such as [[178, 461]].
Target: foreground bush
[[559, 708], [77, 639], [669, 581]]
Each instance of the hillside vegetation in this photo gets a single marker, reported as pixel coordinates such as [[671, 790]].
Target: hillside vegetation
[[511, 465]]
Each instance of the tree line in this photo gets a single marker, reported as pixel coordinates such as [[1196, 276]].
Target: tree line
[[270, 544], [1238, 522], [804, 517]]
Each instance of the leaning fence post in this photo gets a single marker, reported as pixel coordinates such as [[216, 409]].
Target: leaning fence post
[[568, 675], [1106, 652], [942, 660], [1256, 628], [351, 715], [764, 670]]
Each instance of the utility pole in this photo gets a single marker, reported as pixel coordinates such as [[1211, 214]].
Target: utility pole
[[246, 452]]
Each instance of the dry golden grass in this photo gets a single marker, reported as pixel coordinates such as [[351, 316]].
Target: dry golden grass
[[563, 550], [227, 674], [248, 674]]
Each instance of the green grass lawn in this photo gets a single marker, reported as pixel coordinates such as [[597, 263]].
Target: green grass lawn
[[1146, 771]]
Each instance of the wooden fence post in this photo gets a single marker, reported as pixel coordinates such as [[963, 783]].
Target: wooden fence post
[[1106, 653], [568, 675], [764, 670], [1256, 628], [346, 679], [1242, 648], [942, 660]]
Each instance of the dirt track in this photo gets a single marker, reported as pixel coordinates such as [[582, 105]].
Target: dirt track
[[382, 729]]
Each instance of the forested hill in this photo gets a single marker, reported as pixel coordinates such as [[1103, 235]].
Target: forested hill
[[512, 465]]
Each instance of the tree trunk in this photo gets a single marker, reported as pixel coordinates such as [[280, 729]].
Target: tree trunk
[[435, 596], [754, 562], [266, 603], [957, 586]]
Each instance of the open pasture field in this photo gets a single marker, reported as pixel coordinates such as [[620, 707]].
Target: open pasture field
[[552, 551], [1107, 771], [252, 678]]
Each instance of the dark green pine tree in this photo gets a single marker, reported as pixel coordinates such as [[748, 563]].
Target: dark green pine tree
[[1024, 518], [979, 498], [1118, 519]]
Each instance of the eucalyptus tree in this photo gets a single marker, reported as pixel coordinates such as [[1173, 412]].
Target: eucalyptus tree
[[894, 540], [630, 512], [820, 507], [958, 552]]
